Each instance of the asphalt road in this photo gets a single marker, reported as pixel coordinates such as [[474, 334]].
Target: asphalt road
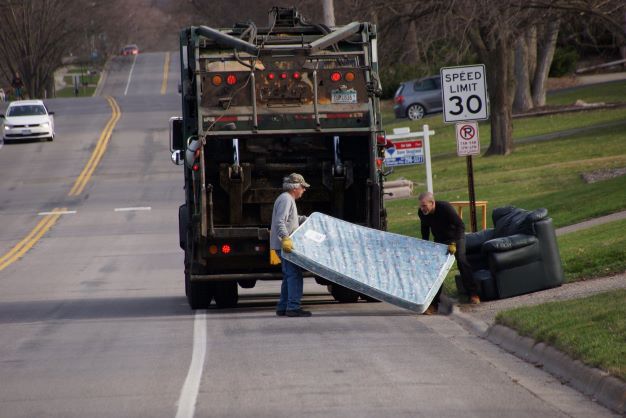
[[94, 322]]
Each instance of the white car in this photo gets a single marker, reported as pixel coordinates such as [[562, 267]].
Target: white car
[[27, 119]]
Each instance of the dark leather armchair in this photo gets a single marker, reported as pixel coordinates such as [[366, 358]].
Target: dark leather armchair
[[518, 255]]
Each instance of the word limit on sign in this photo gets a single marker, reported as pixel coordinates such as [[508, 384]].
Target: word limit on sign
[[464, 91], [467, 142]]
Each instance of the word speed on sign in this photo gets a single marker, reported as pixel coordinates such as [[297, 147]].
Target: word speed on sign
[[464, 91]]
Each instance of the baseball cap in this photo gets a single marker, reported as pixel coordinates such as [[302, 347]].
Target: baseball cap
[[295, 178]]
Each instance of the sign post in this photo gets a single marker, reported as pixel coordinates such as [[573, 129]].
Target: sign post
[[467, 144], [464, 94]]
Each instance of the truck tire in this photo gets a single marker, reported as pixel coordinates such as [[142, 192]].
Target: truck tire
[[367, 298], [199, 294], [343, 294], [226, 294], [247, 284]]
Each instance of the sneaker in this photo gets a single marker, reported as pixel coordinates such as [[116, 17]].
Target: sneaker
[[297, 312], [280, 312], [474, 300]]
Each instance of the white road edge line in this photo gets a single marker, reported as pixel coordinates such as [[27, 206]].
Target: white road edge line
[[130, 75], [65, 212], [189, 393], [131, 209]]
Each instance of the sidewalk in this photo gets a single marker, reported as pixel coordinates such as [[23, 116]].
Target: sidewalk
[[480, 319]]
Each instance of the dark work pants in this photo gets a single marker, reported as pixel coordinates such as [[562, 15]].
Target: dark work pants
[[464, 268]]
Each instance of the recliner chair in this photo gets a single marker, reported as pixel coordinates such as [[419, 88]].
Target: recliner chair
[[518, 255]]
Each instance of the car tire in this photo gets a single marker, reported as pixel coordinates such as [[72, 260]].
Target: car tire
[[415, 112], [50, 138]]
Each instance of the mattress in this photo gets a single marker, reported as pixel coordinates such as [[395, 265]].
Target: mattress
[[404, 271]]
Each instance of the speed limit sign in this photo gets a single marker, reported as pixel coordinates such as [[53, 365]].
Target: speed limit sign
[[464, 93]]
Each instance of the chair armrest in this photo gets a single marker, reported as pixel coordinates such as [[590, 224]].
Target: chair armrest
[[509, 243], [475, 240]]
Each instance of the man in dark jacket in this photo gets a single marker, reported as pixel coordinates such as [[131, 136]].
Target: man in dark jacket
[[447, 227]]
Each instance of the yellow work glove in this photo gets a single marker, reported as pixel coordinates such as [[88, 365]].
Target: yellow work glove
[[274, 258], [287, 244], [452, 248]]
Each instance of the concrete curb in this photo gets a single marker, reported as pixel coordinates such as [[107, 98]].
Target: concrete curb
[[105, 72], [608, 390]]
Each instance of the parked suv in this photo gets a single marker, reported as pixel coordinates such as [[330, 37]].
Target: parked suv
[[415, 98]]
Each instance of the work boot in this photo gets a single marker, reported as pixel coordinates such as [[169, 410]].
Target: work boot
[[297, 312], [474, 300], [431, 310]]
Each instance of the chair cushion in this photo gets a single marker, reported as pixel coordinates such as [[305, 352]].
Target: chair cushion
[[510, 220]]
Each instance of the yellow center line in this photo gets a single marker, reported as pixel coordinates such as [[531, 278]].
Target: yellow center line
[[31, 239], [51, 218], [98, 152], [166, 69]]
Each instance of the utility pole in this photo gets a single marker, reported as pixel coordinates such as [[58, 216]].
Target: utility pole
[[329, 12]]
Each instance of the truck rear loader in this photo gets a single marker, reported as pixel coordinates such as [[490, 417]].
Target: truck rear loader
[[257, 105]]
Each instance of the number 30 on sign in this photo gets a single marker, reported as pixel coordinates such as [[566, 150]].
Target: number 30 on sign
[[464, 93]]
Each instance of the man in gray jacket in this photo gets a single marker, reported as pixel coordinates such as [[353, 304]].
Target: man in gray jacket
[[285, 220]]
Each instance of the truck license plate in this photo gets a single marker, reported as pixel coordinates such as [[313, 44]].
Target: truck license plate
[[343, 96]]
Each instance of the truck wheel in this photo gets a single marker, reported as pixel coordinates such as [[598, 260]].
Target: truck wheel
[[367, 298], [226, 294], [247, 284], [343, 294], [199, 294]]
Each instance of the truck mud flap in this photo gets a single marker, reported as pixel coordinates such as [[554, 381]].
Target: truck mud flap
[[183, 223]]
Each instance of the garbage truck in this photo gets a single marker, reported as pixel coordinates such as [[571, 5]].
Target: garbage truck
[[259, 103]]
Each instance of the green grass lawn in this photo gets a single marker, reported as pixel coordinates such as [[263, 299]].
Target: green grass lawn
[[592, 329], [607, 93], [84, 90], [594, 252], [542, 174]]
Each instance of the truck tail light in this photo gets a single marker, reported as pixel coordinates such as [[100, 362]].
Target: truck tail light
[[296, 76], [195, 167], [216, 80], [226, 249], [231, 79], [213, 249], [335, 76], [283, 76], [349, 76], [271, 76]]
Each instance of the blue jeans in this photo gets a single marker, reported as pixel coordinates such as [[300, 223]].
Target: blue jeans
[[291, 288]]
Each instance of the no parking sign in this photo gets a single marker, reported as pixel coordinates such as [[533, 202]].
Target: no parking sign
[[467, 142]]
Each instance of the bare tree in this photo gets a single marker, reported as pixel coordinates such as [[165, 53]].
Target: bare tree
[[493, 29]]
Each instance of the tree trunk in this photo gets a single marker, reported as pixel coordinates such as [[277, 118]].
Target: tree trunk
[[544, 61], [500, 70], [523, 98], [329, 12], [410, 49]]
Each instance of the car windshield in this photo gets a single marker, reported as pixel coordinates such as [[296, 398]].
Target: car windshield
[[26, 110]]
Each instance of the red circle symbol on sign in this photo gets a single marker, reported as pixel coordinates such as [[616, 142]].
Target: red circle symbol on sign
[[467, 132]]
